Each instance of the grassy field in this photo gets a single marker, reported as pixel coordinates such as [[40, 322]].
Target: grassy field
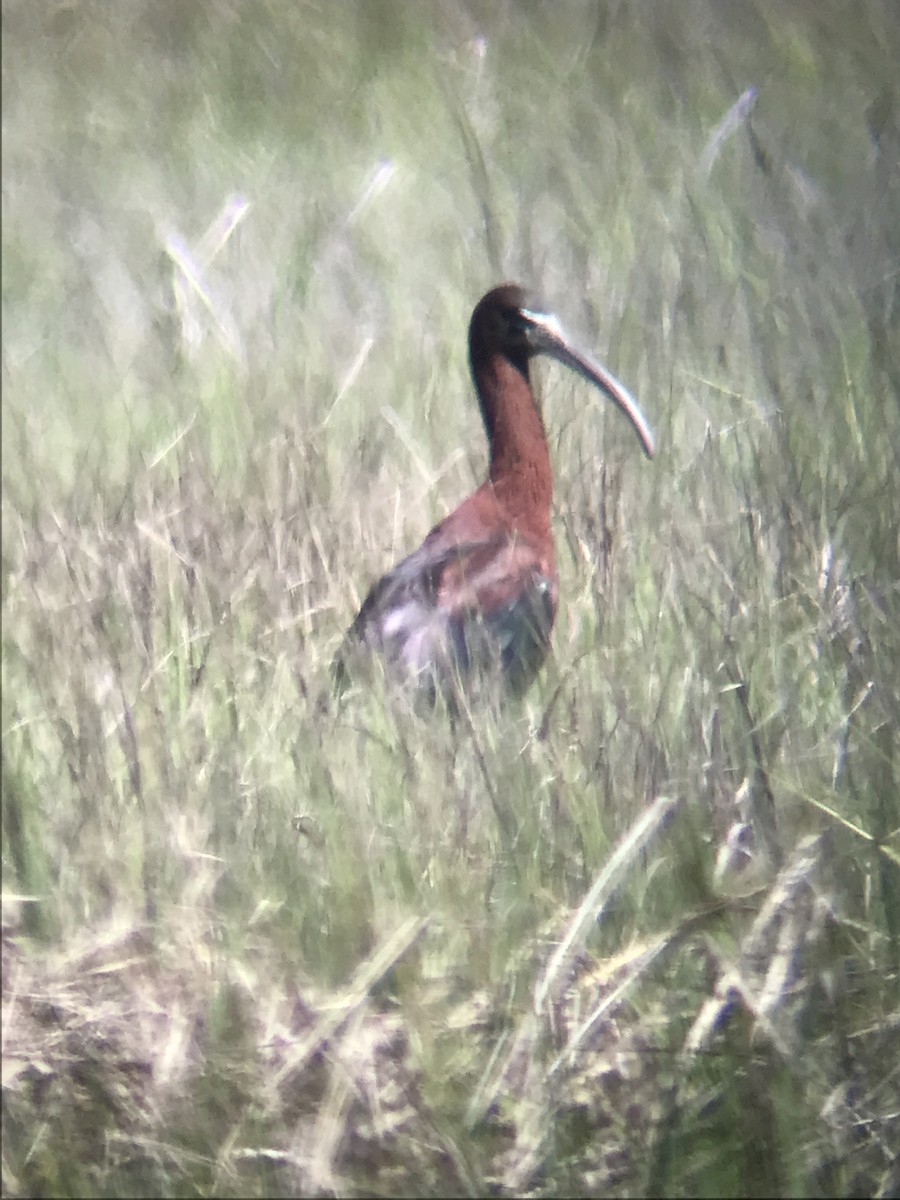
[[638, 934]]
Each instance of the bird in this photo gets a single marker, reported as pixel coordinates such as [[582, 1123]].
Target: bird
[[478, 599]]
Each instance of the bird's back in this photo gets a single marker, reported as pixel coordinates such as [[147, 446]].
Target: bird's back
[[454, 610]]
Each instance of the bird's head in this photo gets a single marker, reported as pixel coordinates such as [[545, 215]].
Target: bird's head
[[509, 321]]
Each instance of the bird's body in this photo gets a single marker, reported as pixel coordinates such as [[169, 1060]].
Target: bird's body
[[479, 596]]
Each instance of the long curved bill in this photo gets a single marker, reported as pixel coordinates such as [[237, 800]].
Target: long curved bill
[[548, 336]]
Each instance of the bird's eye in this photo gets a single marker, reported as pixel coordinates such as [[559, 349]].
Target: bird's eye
[[516, 327]]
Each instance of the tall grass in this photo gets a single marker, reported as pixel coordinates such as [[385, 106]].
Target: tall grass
[[639, 933]]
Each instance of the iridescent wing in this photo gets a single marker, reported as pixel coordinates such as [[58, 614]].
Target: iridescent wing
[[449, 611]]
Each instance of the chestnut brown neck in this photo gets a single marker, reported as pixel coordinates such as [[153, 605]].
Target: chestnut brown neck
[[520, 473]]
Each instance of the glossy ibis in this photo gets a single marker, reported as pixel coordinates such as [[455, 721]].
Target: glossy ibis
[[480, 593]]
